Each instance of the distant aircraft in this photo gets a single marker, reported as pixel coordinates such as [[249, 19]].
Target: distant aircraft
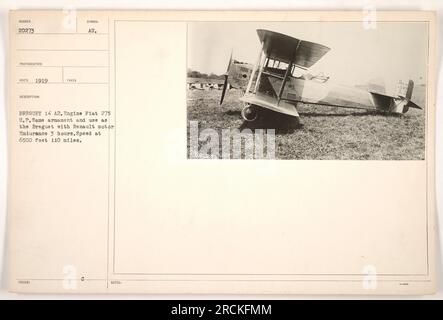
[[204, 83], [273, 84]]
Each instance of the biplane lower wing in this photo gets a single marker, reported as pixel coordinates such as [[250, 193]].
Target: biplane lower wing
[[270, 103]]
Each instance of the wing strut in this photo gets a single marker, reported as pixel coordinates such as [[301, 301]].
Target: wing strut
[[248, 88], [288, 70], [262, 65]]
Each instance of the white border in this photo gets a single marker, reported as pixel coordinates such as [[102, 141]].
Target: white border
[[7, 5]]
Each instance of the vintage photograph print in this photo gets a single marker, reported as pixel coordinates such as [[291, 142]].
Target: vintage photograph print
[[307, 90]]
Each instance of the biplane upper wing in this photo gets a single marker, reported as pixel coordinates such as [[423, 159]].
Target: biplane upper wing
[[285, 48]]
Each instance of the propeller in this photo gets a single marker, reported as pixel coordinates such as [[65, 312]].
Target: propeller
[[225, 84]]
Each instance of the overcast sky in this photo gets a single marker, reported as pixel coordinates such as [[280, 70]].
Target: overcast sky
[[392, 51]]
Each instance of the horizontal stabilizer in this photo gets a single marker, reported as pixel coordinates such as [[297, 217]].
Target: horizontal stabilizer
[[396, 104], [413, 105], [382, 102]]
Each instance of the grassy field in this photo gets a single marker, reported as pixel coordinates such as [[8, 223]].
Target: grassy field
[[323, 132]]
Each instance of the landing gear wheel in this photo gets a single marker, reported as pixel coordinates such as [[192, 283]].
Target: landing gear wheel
[[250, 112]]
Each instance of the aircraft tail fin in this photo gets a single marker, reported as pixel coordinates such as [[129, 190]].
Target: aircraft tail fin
[[404, 90]]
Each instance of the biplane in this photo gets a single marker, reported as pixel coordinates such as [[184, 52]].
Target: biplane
[[280, 79]]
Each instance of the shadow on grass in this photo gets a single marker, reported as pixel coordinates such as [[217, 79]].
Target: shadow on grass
[[281, 126], [233, 113], [341, 114], [351, 114]]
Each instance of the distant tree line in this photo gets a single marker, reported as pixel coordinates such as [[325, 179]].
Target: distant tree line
[[196, 74]]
